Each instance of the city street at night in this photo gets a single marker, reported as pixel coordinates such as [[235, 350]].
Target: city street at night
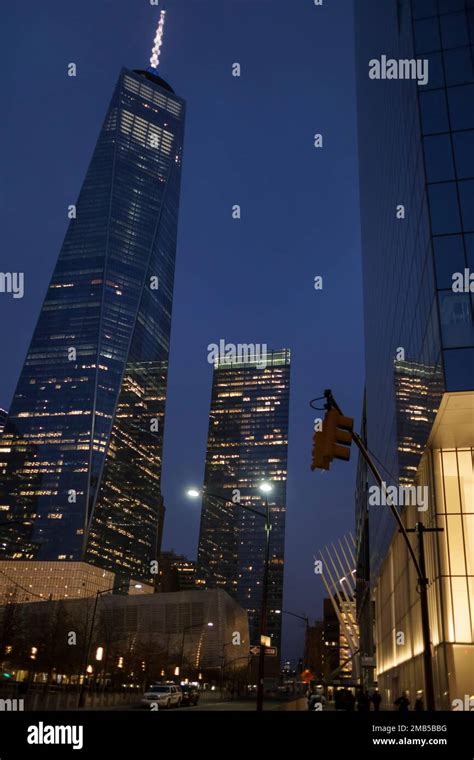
[[237, 386]]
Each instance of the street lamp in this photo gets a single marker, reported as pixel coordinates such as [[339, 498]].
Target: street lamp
[[265, 487], [306, 620], [82, 694], [185, 629]]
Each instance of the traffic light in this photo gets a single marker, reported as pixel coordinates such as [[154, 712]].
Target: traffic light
[[333, 441], [320, 460]]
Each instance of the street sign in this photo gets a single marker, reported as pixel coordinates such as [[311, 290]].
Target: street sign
[[269, 651]]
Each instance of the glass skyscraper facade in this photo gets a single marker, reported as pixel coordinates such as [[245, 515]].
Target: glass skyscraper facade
[[82, 446], [416, 149], [247, 444]]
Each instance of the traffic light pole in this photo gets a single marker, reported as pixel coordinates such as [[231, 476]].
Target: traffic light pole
[[420, 530], [419, 565]]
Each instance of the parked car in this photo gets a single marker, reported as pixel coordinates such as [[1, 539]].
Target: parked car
[[189, 694], [165, 695]]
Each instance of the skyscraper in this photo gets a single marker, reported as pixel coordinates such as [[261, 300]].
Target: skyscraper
[[416, 143], [247, 444], [83, 441]]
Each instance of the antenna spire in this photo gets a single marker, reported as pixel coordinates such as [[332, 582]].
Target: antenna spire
[[158, 41]]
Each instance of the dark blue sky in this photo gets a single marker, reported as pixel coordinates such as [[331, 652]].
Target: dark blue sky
[[248, 141]]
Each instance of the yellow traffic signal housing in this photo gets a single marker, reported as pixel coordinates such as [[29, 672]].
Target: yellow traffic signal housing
[[339, 435], [333, 442], [320, 460]]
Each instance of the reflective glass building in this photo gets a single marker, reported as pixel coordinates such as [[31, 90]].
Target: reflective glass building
[[416, 156], [247, 444], [83, 441]]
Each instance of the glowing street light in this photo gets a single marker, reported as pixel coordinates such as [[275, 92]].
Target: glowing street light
[[193, 493], [266, 487]]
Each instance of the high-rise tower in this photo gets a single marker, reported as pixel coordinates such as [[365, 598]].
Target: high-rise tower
[[247, 444], [83, 441]]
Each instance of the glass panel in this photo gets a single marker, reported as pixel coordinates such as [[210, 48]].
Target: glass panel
[[459, 369], [422, 8], [434, 111], [427, 35], [438, 158], [461, 106], [456, 545], [458, 66], [454, 30], [444, 209], [448, 608], [462, 618], [470, 25], [449, 258], [469, 241], [464, 153], [468, 522], [466, 192], [443, 546], [436, 72], [451, 485], [457, 326], [466, 483], [447, 6]]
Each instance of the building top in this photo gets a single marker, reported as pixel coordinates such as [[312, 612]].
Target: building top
[[250, 356]]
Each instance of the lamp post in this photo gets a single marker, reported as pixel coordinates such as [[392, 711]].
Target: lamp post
[[185, 629], [265, 488], [82, 692], [306, 620], [226, 644]]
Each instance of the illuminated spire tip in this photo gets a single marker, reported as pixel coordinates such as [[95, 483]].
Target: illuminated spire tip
[[158, 41]]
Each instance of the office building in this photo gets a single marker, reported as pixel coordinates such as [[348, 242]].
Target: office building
[[83, 442], [177, 572], [416, 147], [247, 444]]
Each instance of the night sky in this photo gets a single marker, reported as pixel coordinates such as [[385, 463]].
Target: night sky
[[248, 141]]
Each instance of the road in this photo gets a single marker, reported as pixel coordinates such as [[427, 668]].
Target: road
[[224, 706]]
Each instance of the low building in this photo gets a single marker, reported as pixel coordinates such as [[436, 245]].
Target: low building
[[136, 637]]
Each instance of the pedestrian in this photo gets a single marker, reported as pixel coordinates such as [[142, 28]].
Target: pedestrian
[[376, 700], [350, 700], [419, 706], [363, 701], [339, 700], [403, 703]]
